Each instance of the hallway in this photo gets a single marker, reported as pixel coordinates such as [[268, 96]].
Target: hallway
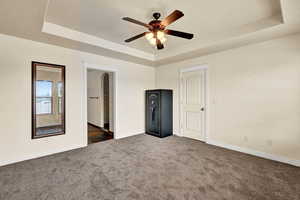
[[96, 134]]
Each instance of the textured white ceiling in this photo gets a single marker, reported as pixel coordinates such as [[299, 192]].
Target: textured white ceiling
[[208, 20]]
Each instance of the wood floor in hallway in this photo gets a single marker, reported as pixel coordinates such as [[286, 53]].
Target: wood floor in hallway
[[96, 134]]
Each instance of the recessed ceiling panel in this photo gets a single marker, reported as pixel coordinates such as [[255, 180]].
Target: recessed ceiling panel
[[207, 20]]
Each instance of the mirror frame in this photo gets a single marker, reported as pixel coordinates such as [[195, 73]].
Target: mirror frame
[[34, 66]]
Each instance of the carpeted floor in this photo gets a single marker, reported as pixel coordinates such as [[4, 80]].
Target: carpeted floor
[[148, 168]]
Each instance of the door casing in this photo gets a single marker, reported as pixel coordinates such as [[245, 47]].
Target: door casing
[[203, 68]]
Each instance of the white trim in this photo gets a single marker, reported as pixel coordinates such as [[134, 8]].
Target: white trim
[[283, 11], [194, 68], [256, 153], [84, 103], [71, 34], [46, 11], [87, 66], [203, 67]]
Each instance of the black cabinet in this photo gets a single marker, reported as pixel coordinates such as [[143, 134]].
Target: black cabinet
[[159, 112]]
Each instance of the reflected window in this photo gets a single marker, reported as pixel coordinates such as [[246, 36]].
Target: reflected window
[[60, 93], [44, 101]]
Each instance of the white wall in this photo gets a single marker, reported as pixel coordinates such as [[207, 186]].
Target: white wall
[[15, 102], [254, 94]]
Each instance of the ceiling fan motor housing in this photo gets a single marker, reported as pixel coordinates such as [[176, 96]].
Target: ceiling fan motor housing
[[156, 15], [156, 24]]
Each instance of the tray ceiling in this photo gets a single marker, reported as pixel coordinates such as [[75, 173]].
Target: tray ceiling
[[95, 26], [208, 20]]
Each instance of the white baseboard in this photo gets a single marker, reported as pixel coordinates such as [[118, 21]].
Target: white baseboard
[[256, 153], [129, 134], [38, 155]]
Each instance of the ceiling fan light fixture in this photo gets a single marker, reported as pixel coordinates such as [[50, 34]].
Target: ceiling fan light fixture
[[163, 40], [157, 31], [149, 36], [160, 35], [152, 41]]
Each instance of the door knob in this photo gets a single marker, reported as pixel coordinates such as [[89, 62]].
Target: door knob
[[202, 109]]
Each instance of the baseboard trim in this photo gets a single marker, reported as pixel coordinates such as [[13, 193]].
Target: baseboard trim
[[130, 135], [39, 155], [256, 153], [94, 125]]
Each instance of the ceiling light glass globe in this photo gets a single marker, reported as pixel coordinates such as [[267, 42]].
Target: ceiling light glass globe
[[149, 36], [152, 41], [163, 40], [160, 35]]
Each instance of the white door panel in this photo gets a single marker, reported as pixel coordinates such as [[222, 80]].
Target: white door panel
[[94, 106], [93, 110], [192, 90], [192, 121], [193, 104]]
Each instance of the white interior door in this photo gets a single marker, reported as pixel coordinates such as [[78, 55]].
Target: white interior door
[[94, 107], [94, 98], [193, 104]]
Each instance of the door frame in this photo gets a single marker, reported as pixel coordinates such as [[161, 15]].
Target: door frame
[[109, 96], [87, 66], [204, 68]]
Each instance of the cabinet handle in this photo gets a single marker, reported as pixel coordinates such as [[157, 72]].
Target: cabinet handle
[[153, 113]]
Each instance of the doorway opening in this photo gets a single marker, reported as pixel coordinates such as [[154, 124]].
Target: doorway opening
[[100, 106], [106, 100]]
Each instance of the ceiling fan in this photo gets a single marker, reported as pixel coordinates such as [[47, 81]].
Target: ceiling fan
[[157, 29]]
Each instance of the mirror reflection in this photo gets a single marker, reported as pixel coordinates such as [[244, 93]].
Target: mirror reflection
[[48, 100]]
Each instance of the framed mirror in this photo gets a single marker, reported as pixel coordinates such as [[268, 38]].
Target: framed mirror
[[48, 100]]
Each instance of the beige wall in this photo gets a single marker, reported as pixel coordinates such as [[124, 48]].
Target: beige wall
[[15, 109], [254, 96]]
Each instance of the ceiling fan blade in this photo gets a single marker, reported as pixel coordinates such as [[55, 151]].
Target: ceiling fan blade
[[179, 34], [159, 44], [172, 17], [136, 37], [136, 22]]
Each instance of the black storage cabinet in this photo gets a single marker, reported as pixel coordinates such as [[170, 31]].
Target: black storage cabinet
[[159, 112]]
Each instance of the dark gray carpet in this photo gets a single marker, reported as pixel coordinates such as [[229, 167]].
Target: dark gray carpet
[[148, 168]]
